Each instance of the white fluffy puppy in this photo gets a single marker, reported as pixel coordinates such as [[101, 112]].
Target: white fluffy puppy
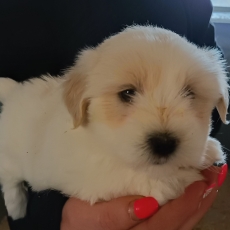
[[132, 116]]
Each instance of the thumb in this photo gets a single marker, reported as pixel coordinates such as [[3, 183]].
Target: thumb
[[117, 214], [126, 212]]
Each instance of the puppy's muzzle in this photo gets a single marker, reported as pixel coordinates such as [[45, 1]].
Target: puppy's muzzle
[[162, 144]]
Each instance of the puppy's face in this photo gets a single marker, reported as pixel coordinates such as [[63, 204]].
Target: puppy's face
[[147, 94]]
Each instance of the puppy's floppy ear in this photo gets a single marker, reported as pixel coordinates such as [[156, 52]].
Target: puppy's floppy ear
[[75, 87], [219, 67]]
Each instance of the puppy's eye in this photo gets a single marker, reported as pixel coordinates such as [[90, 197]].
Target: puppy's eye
[[127, 95], [187, 92]]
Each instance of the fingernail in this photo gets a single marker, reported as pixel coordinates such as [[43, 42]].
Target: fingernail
[[209, 190], [223, 174], [143, 208]]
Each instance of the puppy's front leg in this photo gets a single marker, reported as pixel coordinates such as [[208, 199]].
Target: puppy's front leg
[[213, 154], [15, 196]]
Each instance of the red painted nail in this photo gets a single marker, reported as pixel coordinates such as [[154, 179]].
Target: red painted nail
[[209, 190], [145, 207], [223, 174]]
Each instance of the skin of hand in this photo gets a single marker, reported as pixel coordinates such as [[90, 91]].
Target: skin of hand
[[139, 213]]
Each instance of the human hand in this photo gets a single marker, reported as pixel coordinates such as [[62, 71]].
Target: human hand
[[122, 213]]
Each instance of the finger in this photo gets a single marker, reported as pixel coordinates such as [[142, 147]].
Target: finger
[[118, 214], [125, 212], [214, 175], [211, 174], [204, 207], [172, 215]]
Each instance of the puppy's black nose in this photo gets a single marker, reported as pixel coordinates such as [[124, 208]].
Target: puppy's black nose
[[162, 144]]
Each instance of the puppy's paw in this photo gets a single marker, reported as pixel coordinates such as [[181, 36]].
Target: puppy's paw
[[213, 154], [173, 187], [15, 200]]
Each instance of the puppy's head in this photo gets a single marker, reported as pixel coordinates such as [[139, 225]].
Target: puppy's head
[[148, 94]]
